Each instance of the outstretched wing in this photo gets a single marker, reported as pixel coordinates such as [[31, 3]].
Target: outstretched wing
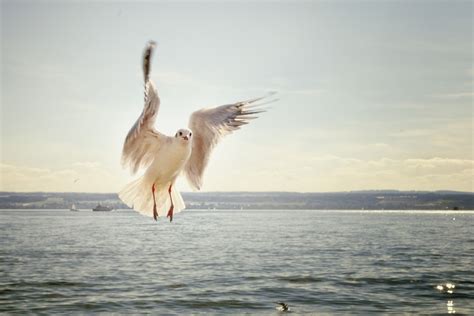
[[143, 141], [209, 126]]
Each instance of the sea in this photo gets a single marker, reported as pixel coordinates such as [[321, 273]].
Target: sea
[[240, 262]]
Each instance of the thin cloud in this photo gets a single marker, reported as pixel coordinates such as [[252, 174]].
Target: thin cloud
[[409, 133], [26, 179], [457, 95], [303, 92]]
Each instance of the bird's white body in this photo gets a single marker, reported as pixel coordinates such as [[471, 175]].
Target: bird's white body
[[165, 157], [168, 163]]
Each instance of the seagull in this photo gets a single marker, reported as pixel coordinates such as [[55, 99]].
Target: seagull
[[166, 157], [283, 307]]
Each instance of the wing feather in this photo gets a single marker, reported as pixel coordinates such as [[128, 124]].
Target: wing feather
[[209, 126], [143, 141]]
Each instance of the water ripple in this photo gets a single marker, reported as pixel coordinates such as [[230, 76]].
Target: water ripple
[[239, 262]]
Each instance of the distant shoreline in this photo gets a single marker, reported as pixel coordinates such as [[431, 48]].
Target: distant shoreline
[[353, 200]]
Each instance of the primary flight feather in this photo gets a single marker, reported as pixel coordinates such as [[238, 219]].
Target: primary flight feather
[[165, 157]]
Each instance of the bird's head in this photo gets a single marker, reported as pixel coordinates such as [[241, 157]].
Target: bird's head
[[184, 134]]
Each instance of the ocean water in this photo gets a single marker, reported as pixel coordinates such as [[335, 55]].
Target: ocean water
[[237, 262]]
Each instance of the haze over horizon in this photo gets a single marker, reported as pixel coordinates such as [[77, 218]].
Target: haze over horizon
[[255, 192], [373, 96]]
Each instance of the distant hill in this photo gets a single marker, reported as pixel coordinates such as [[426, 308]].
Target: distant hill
[[354, 200]]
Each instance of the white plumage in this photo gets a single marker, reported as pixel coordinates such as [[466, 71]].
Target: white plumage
[[165, 157]]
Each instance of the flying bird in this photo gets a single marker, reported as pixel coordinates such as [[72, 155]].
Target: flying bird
[[166, 157]]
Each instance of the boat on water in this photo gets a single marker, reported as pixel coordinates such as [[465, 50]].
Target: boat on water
[[102, 208], [73, 208]]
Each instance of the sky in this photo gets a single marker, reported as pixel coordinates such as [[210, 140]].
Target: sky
[[372, 94]]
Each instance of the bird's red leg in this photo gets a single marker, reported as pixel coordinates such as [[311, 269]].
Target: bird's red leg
[[170, 212], [155, 213]]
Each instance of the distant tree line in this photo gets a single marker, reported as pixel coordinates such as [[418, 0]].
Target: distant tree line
[[368, 200]]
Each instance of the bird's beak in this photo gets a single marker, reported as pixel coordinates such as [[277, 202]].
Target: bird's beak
[[186, 137]]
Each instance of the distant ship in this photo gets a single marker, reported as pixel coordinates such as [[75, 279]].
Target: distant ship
[[101, 208], [73, 208]]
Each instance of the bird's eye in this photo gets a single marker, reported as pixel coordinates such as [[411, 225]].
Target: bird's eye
[[180, 134], [190, 134]]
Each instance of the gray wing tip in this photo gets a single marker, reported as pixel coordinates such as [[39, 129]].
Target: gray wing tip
[[265, 96], [146, 59]]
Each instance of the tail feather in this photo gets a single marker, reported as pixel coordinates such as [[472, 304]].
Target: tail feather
[[177, 200], [138, 196]]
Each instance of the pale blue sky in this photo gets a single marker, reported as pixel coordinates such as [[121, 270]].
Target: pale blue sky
[[373, 94]]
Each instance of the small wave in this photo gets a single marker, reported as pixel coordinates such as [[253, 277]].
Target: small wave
[[224, 304], [383, 281], [45, 284], [303, 279], [251, 278], [177, 286]]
